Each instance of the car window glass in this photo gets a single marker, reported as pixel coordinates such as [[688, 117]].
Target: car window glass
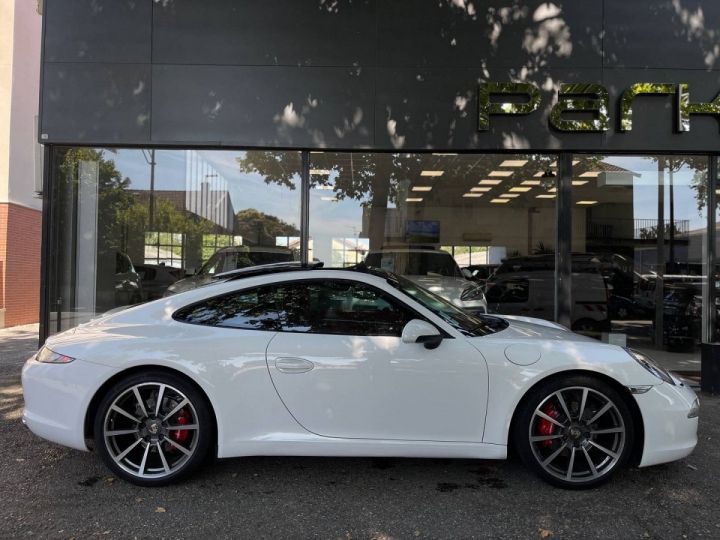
[[511, 291], [415, 263], [211, 267], [256, 309], [341, 307]]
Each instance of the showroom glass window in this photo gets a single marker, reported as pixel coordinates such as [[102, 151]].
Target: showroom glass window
[[117, 211], [639, 230], [447, 221]]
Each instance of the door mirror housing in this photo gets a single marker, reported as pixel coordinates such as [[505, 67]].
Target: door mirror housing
[[467, 273], [418, 331]]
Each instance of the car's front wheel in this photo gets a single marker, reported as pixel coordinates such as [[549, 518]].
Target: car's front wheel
[[153, 428], [574, 432]]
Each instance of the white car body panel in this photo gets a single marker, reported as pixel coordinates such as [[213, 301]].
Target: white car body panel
[[378, 387], [463, 401]]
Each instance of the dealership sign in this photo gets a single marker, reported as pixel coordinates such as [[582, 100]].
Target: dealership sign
[[591, 99]]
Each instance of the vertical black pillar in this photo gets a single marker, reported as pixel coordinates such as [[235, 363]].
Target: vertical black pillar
[[709, 293], [45, 247], [305, 208], [563, 236], [710, 350], [660, 258]]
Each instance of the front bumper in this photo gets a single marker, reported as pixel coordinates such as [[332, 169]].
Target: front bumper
[[669, 433], [57, 397]]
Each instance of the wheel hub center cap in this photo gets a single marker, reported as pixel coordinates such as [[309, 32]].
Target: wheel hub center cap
[[575, 433], [153, 428]]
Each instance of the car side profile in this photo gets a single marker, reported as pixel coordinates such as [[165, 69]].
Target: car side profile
[[294, 360]]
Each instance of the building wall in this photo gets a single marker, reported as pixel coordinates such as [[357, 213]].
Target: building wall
[[20, 167], [20, 236], [341, 74]]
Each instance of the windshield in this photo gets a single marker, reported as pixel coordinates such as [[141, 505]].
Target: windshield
[[225, 261], [415, 263], [469, 325]]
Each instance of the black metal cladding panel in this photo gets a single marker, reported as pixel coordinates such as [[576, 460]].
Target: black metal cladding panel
[[497, 33], [654, 123], [667, 34], [263, 106], [275, 32], [98, 31], [96, 103], [431, 108]]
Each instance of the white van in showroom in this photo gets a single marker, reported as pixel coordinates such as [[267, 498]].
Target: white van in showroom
[[525, 287]]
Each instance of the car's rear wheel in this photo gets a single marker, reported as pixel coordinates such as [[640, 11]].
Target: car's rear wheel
[[153, 428], [574, 432]]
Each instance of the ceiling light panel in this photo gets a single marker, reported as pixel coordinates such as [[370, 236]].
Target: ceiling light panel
[[489, 182], [422, 188], [514, 163], [432, 173], [520, 189], [503, 174]]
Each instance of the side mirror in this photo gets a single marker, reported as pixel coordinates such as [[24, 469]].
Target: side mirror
[[189, 272], [417, 331], [467, 274]]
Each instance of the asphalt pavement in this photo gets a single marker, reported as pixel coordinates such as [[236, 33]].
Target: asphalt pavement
[[47, 491]]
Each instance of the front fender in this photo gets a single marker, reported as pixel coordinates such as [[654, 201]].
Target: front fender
[[510, 383]]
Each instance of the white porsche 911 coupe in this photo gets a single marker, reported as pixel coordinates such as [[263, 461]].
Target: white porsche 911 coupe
[[307, 361]]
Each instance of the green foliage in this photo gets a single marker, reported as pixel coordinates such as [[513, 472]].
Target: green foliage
[[260, 229]]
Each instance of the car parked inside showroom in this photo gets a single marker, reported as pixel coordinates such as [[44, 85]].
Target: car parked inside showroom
[[435, 270], [293, 359]]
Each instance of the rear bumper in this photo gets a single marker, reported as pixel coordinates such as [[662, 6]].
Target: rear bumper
[[57, 397], [669, 433]]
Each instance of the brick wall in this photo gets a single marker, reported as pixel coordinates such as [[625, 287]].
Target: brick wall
[[20, 238]]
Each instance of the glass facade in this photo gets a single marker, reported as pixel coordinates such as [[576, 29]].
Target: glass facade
[[134, 225], [130, 224]]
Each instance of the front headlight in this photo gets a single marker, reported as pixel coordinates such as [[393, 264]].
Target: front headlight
[[472, 293], [649, 364], [46, 356]]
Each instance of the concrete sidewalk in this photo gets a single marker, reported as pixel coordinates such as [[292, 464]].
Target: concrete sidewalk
[[18, 343]]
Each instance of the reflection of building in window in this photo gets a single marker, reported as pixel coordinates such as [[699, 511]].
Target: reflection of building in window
[[206, 191], [164, 248], [292, 243], [214, 242], [467, 255], [349, 251]]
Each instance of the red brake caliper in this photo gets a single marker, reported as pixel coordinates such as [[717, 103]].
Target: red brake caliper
[[181, 435], [546, 427]]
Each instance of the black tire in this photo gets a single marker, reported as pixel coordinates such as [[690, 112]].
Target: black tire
[[565, 443], [152, 431]]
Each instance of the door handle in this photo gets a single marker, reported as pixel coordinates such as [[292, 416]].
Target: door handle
[[293, 365]]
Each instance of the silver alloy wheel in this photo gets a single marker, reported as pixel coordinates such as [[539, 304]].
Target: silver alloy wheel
[[151, 430], [577, 434]]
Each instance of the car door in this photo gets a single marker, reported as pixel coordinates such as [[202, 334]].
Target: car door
[[342, 370]]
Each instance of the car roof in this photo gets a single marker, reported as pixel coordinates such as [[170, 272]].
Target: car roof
[[409, 250], [254, 249], [293, 266]]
